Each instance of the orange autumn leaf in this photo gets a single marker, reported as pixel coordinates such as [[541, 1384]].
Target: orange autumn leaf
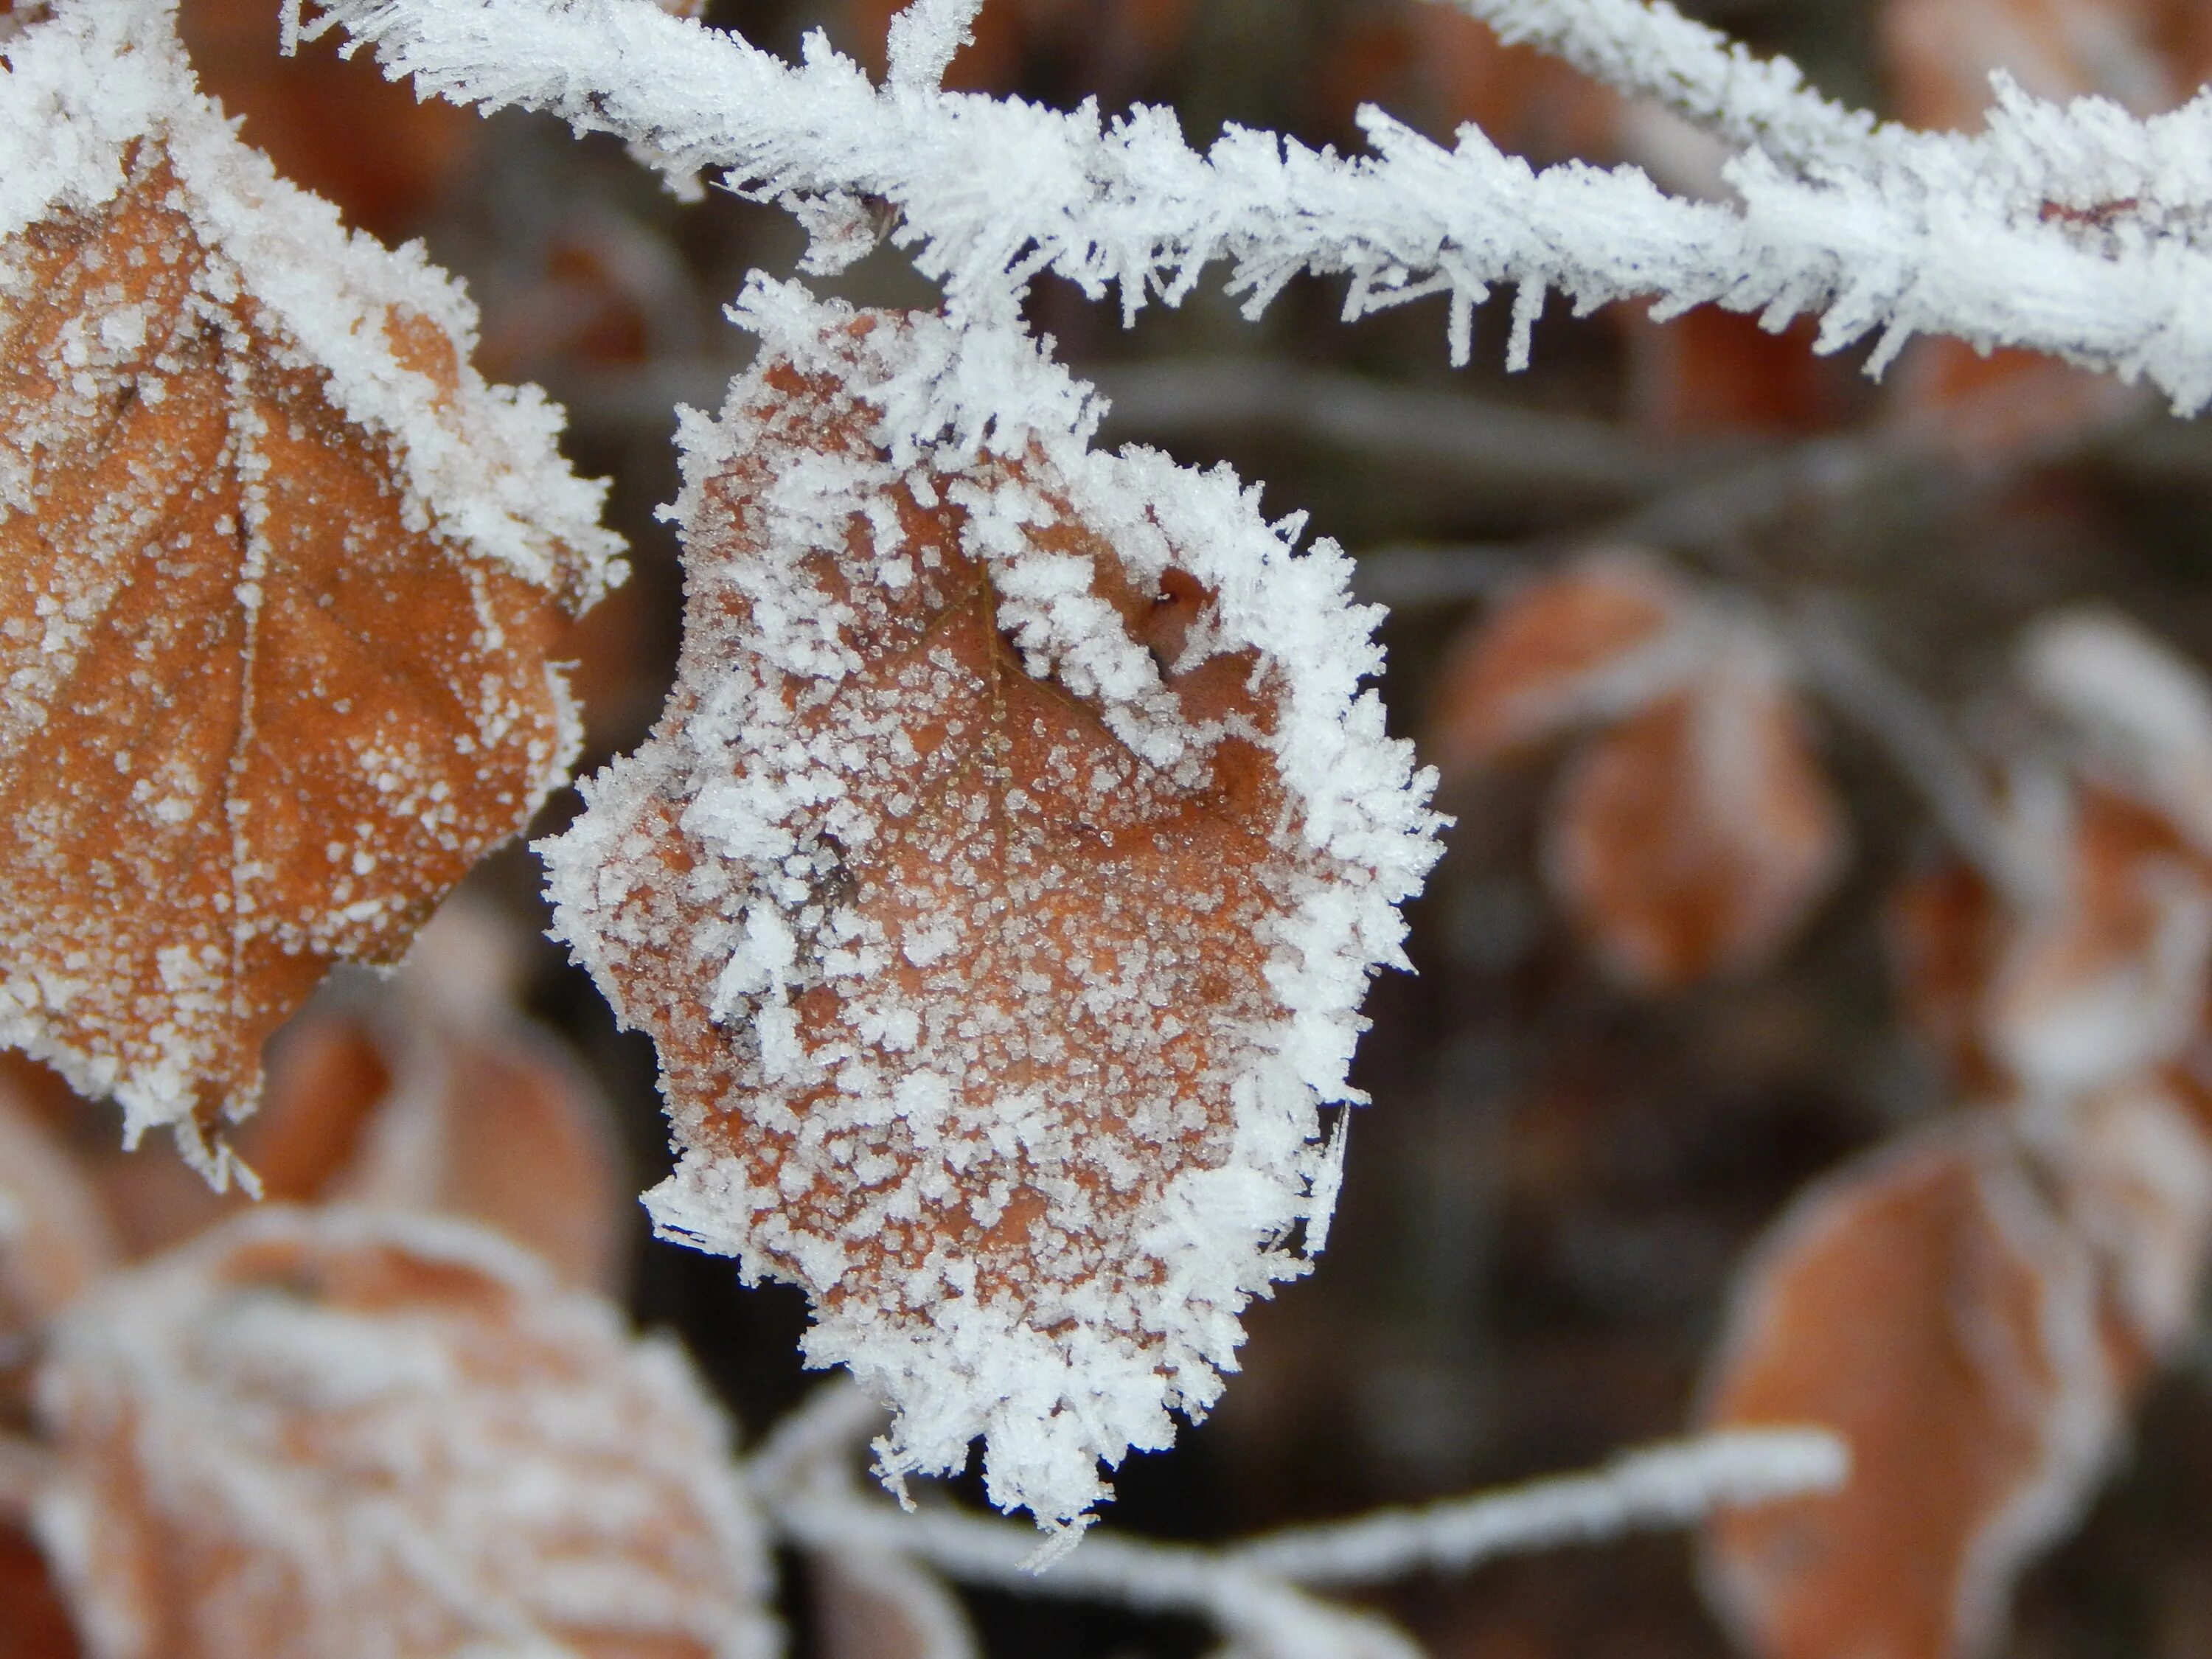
[[1692, 839], [1712, 374], [1590, 642], [998, 889], [280, 583], [1928, 1306], [306, 112], [436, 1094], [2106, 976], [1944, 930], [322, 1432], [2132, 1168], [427, 1091]]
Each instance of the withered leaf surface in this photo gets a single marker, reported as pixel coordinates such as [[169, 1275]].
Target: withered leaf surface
[[279, 580], [999, 887], [321, 1432], [1929, 1306], [1594, 641], [1692, 839]]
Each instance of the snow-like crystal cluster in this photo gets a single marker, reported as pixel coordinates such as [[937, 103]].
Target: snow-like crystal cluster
[[1000, 887]]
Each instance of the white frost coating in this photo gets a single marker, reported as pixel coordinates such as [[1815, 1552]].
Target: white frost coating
[[347, 1432], [81, 89], [1118, 1312], [1654, 52], [2146, 712], [1881, 232], [1659, 1486]]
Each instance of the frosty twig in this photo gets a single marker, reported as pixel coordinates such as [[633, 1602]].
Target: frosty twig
[[1901, 234]]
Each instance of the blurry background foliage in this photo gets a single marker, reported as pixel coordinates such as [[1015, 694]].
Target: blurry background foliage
[[1545, 1203]]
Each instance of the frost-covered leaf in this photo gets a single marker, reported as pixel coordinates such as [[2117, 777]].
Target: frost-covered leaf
[[2133, 1170], [999, 886], [460, 1106], [2141, 713], [1598, 640], [2106, 974], [1927, 1305], [1692, 839], [328, 1432], [424, 1090], [279, 580]]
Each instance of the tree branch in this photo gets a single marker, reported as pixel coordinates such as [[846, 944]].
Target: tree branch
[[1917, 234]]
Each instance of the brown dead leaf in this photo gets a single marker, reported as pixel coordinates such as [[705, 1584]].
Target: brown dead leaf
[[963, 888], [426, 1090], [1927, 1305], [308, 112], [1946, 931], [328, 1432], [275, 678], [475, 1112], [1586, 643], [1940, 54], [1691, 840], [2107, 978]]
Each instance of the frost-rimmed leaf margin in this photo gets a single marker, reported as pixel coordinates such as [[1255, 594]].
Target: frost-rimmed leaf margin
[[1050, 1407], [83, 86]]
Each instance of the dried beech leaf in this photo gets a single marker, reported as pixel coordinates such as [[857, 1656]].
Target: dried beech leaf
[[480, 1114], [2133, 1170], [426, 1089], [1710, 373], [54, 1238], [2108, 978], [331, 1432], [1691, 840], [1598, 640], [279, 579], [1946, 933], [1929, 1307], [999, 888], [2143, 712]]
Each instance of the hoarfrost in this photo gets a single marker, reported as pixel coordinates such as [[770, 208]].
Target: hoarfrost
[[1000, 887]]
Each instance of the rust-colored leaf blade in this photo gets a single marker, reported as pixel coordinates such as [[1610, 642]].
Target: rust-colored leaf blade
[[329, 1432], [1587, 643], [280, 582], [1691, 840], [999, 888], [1926, 1305]]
